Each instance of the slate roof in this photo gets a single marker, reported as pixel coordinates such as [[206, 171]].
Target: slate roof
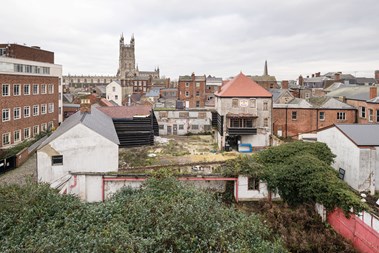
[[96, 121], [361, 135], [328, 103], [242, 86], [153, 92], [355, 92], [264, 78], [126, 112]]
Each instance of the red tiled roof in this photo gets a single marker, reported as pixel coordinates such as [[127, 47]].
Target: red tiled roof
[[104, 102], [242, 86], [126, 112]]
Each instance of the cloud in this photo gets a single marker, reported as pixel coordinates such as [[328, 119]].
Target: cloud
[[206, 37]]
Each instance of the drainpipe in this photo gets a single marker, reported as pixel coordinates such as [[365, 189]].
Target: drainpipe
[[286, 121], [102, 188]]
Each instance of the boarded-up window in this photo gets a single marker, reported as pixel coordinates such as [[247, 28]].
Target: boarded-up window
[[201, 115], [235, 102], [57, 160], [183, 115]]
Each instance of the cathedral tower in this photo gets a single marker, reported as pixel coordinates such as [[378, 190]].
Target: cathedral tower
[[127, 60]]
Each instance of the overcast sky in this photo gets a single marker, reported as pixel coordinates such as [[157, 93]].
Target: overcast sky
[[211, 37]]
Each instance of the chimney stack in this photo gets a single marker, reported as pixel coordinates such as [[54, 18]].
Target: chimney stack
[[301, 80], [313, 75], [337, 76], [318, 74], [285, 85], [373, 92], [85, 106], [377, 75]]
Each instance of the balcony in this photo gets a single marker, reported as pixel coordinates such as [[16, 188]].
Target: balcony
[[241, 131]]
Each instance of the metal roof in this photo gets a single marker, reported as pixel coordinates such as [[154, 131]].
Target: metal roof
[[361, 135], [356, 92], [96, 121]]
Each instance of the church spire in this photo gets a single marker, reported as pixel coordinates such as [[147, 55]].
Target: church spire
[[265, 72]]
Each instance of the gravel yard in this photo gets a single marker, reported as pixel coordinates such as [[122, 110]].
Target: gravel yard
[[27, 171]]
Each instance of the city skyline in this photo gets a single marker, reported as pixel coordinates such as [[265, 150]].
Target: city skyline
[[213, 37]]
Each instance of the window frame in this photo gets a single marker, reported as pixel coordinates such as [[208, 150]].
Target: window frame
[[16, 109], [28, 89], [341, 116], [8, 138], [18, 92], [321, 118], [7, 111], [35, 89], [294, 115], [56, 160], [253, 184], [35, 110], [28, 109], [7, 87]]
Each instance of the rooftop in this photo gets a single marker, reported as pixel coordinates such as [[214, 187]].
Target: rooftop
[[361, 135], [126, 112]]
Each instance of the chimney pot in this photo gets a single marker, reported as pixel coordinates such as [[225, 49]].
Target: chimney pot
[[85, 106]]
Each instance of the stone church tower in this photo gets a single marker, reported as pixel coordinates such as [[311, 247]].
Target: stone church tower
[[127, 60]]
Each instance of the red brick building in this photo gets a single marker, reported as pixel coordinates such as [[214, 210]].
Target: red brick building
[[364, 98], [30, 93], [192, 90], [307, 116]]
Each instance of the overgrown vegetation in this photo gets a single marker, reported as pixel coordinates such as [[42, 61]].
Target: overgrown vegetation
[[164, 216], [301, 173], [300, 228]]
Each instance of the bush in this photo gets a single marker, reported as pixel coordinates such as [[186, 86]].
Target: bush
[[164, 216]]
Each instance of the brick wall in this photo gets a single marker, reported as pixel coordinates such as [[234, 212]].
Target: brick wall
[[307, 120], [194, 93], [28, 53], [368, 106], [22, 100]]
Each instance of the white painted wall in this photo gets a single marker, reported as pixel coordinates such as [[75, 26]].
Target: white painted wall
[[360, 164], [247, 195], [83, 150], [113, 91]]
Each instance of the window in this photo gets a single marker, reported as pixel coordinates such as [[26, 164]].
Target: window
[[16, 113], [241, 122], [17, 135], [195, 127], [35, 89], [16, 90], [294, 115], [341, 173], [50, 125], [161, 127], [26, 111], [57, 160], [43, 109], [6, 139], [46, 70], [116, 97], [377, 116], [253, 102], [5, 115], [197, 84], [187, 84], [253, 183], [187, 93], [27, 133], [197, 103], [43, 89], [362, 110], [322, 116], [341, 116], [51, 107], [163, 115], [6, 90], [234, 102], [35, 130], [370, 115], [35, 110], [265, 105], [26, 89], [265, 122], [43, 127], [113, 89], [181, 127], [197, 93]]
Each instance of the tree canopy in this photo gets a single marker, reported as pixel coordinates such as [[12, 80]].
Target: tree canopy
[[164, 216], [301, 173]]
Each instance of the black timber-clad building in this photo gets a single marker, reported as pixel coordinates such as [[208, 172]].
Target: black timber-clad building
[[135, 125]]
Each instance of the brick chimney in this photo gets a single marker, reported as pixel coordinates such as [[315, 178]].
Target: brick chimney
[[313, 75], [301, 80], [85, 106], [285, 85], [377, 75], [318, 74], [337, 76], [373, 92]]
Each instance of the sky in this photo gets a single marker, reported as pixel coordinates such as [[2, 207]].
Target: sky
[[211, 37]]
